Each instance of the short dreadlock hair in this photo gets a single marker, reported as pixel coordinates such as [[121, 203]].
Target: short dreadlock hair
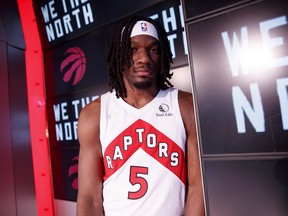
[[119, 55]]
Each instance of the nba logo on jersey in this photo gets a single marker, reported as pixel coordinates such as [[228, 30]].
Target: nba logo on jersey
[[144, 27]]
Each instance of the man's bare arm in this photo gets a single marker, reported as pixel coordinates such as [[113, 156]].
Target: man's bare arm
[[90, 166], [195, 198]]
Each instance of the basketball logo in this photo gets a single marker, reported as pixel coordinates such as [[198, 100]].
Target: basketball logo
[[144, 27], [74, 65]]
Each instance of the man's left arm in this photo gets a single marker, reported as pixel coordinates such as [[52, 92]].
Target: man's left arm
[[195, 197]]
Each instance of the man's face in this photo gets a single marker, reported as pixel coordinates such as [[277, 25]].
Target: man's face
[[145, 62]]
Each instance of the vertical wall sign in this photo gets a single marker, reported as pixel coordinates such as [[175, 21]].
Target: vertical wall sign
[[240, 73], [239, 66]]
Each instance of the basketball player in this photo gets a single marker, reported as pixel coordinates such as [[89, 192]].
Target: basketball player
[[138, 146]]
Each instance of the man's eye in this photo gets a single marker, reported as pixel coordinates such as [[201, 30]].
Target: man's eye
[[133, 50], [154, 50]]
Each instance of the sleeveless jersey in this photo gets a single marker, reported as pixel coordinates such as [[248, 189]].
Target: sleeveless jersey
[[144, 156]]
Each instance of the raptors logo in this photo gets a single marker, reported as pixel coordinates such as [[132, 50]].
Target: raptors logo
[[74, 65], [73, 173]]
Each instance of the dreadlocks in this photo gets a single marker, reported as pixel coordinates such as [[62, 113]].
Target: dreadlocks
[[119, 55]]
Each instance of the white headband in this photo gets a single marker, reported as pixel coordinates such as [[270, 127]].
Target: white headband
[[144, 28]]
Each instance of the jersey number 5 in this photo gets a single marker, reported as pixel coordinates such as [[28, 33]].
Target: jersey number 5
[[136, 177]]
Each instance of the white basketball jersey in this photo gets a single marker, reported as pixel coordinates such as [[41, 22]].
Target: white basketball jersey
[[144, 156]]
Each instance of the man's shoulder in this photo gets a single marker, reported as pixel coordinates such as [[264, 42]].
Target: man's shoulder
[[185, 100], [91, 110], [88, 122], [184, 95]]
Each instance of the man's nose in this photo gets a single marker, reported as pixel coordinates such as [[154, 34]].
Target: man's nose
[[143, 57]]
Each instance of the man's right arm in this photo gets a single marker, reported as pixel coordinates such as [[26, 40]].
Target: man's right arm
[[90, 165]]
